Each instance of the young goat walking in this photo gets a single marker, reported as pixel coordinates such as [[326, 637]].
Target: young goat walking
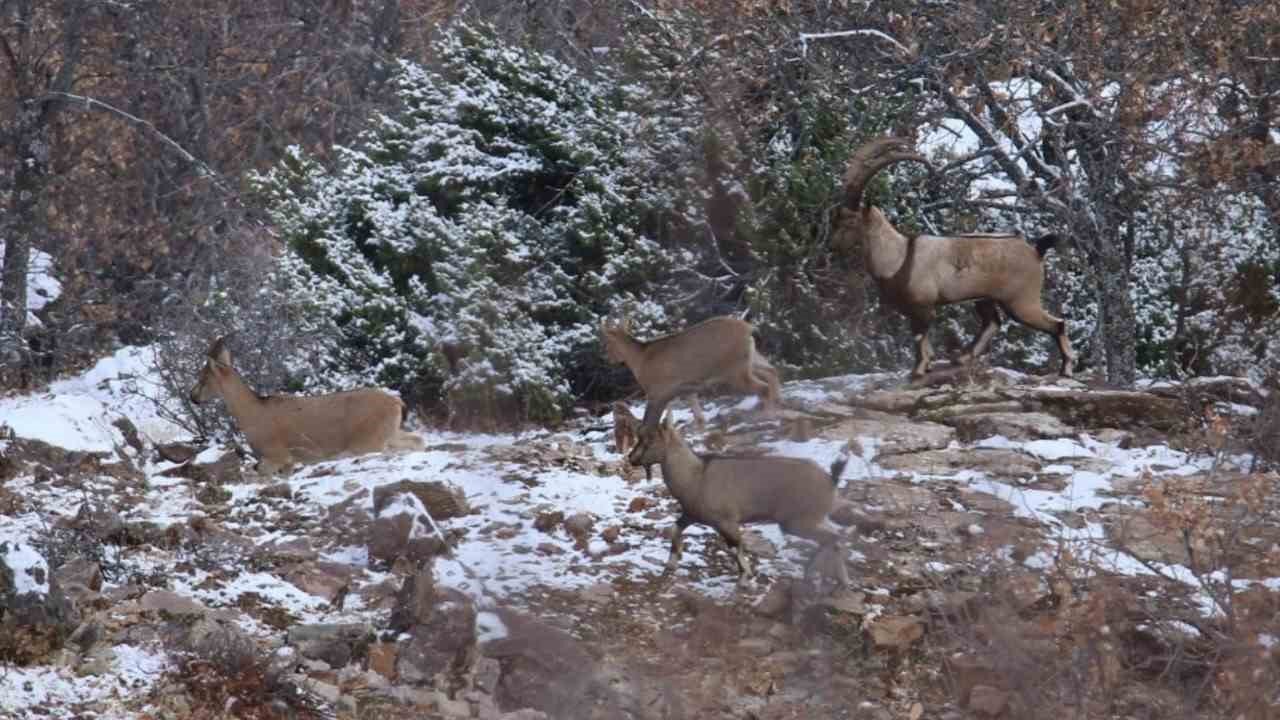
[[724, 492], [288, 429], [718, 351]]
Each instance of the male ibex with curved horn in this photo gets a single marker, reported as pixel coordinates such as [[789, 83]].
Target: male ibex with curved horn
[[916, 275], [284, 429]]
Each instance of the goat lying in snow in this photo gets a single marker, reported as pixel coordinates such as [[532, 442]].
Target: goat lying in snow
[[720, 350], [917, 275], [292, 428], [724, 492]]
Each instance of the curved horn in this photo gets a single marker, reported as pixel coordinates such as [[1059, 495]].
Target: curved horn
[[870, 159]]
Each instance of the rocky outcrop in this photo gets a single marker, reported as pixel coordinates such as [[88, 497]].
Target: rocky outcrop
[[35, 615]]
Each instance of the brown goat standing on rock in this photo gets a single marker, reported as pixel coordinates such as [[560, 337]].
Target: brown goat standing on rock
[[720, 350], [724, 492], [916, 275]]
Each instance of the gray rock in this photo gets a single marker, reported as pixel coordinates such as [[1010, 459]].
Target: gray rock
[[84, 572], [35, 614], [220, 642], [402, 530], [334, 643], [440, 499], [1013, 425], [445, 642]]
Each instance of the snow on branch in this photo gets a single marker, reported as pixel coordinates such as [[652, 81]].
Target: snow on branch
[[806, 37]]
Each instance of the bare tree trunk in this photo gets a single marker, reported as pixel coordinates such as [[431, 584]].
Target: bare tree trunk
[[1119, 323], [26, 204]]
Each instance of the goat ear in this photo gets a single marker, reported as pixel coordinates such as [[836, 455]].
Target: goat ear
[[666, 422]]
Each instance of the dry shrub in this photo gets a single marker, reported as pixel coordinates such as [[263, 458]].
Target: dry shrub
[[1081, 641], [273, 345], [250, 691]]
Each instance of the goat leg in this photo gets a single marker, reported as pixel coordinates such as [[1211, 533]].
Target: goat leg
[[677, 543], [924, 351], [989, 316]]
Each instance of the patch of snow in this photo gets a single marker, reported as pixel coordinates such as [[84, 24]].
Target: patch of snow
[[30, 571], [489, 627], [42, 287], [42, 691]]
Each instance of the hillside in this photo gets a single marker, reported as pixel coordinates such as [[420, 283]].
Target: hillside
[[1015, 543]]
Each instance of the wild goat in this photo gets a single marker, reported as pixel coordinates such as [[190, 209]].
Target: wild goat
[[625, 429], [918, 274], [720, 350], [290, 428], [723, 492]]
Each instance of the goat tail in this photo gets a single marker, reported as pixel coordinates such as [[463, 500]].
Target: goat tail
[[1045, 243], [837, 468]]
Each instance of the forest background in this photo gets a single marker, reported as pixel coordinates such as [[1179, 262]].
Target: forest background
[[447, 197]]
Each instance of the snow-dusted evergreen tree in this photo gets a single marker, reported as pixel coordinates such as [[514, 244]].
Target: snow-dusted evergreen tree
[[468, 246]]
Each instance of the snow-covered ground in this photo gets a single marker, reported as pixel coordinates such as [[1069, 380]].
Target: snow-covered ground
[[502, 567]]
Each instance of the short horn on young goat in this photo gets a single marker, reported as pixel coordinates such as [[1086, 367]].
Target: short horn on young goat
[[288, 429], [718, 351], [724, 492], [916, 275]]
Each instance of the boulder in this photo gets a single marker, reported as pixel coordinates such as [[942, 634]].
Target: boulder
[[35, 614], [445, 642], [1093, 409], [1013, 425], [401, 529], [440, 499], [334, 643]]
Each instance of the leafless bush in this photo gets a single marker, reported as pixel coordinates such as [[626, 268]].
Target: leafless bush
[[1191, 637], [274, 341]]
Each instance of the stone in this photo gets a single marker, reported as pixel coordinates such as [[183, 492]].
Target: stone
[[993, 462], [283, 491], [1012, 425], [96, 663], [80, 571], [440, 499], [401, 530], [524, 714], [333, 643], [35, 614], [548, 521], [895, 632], [776, 602], [579, 525], [896, 435], [444, 643], [454, 708], [220, 642], [986, 701], [102, 522], [171, 604], [542, 667], [485, 675], [323, 579], [1090, 409], [283, 552], [178, 452], [415, 601]]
